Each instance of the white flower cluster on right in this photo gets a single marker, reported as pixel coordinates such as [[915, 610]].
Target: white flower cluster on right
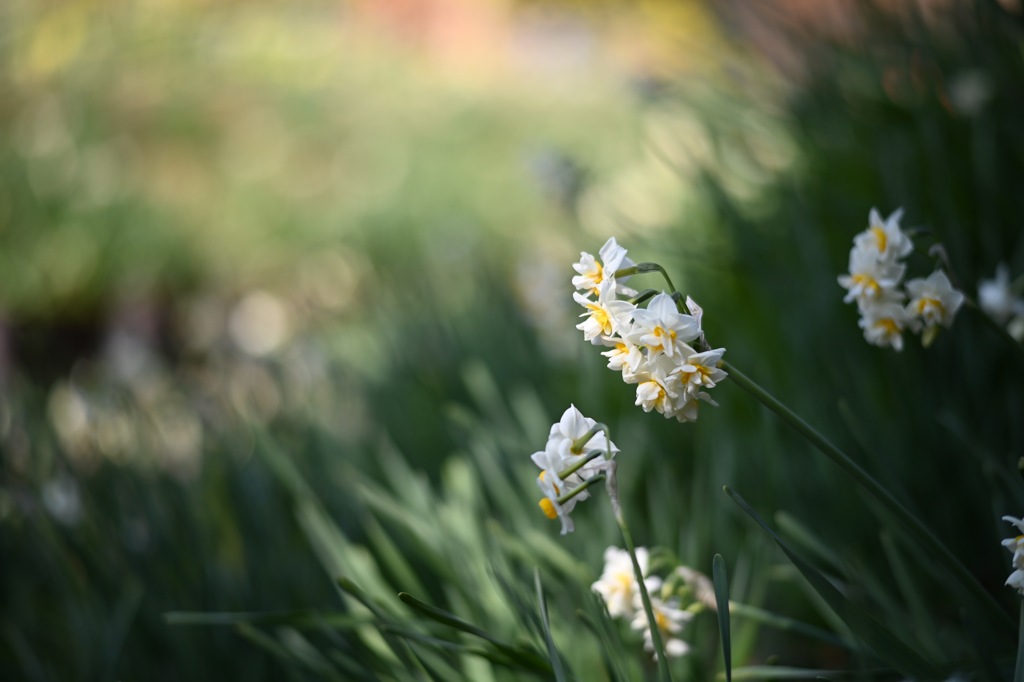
[[1016, 547], [996, 297], [620, 591], [652, 347], [874, 282]]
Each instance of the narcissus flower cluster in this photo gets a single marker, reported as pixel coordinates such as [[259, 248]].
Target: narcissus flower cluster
[[1016, 547], [661, 348], [874, 282], [577, 452], [620, 591]]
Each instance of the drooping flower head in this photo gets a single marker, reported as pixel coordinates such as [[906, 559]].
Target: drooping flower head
[[661, 347], [566, 451]]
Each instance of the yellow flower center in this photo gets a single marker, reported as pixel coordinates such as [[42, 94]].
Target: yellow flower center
[[880, 237], [662, 620], [601, 316], [930, 306], [548, 507], [889, 325], [867, 284]]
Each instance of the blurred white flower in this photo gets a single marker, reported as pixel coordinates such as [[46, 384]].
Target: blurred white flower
[[884, 321], [884, 237], [618, 586], [996, 298], [260, 324], [1015, 545], [62, 500], [870, 278], [670, 620], [933, 300]]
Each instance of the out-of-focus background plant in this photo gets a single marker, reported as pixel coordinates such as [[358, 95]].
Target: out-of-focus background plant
[[285, 298]]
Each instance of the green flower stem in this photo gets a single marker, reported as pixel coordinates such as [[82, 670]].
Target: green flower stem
[[580, 488], [581, 442], [874, 488], [576, 466], [641, 268], [613, 493]]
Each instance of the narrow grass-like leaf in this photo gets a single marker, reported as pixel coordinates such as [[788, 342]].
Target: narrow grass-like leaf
[[721, 581], [614, 674], [779, 672], [296, 619], [787, 624], [530, 658], [882, 641], [542, 605]]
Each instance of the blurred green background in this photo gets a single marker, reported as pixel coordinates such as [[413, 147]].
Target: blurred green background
[[285, 296]]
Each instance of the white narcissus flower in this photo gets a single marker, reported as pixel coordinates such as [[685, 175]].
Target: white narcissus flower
[[657, 386], [996, 298], [625, 356], [550, 505], [1016, 546], [593, 272], [662, 328], [618, 586], [571, 427], [885, 238], [884, 322], [933, 300], [670, 619], [700, 370], [560, 454], [605, 315], [685, 408], [870, 278]]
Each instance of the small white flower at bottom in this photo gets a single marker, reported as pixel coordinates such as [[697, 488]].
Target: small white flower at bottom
[[670, 619], [617, 585]]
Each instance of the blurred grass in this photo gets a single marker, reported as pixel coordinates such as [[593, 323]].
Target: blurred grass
[[186, 157]]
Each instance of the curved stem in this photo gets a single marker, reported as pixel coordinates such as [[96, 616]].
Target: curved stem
[[903, 515], [641, 268], [652, 621]]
